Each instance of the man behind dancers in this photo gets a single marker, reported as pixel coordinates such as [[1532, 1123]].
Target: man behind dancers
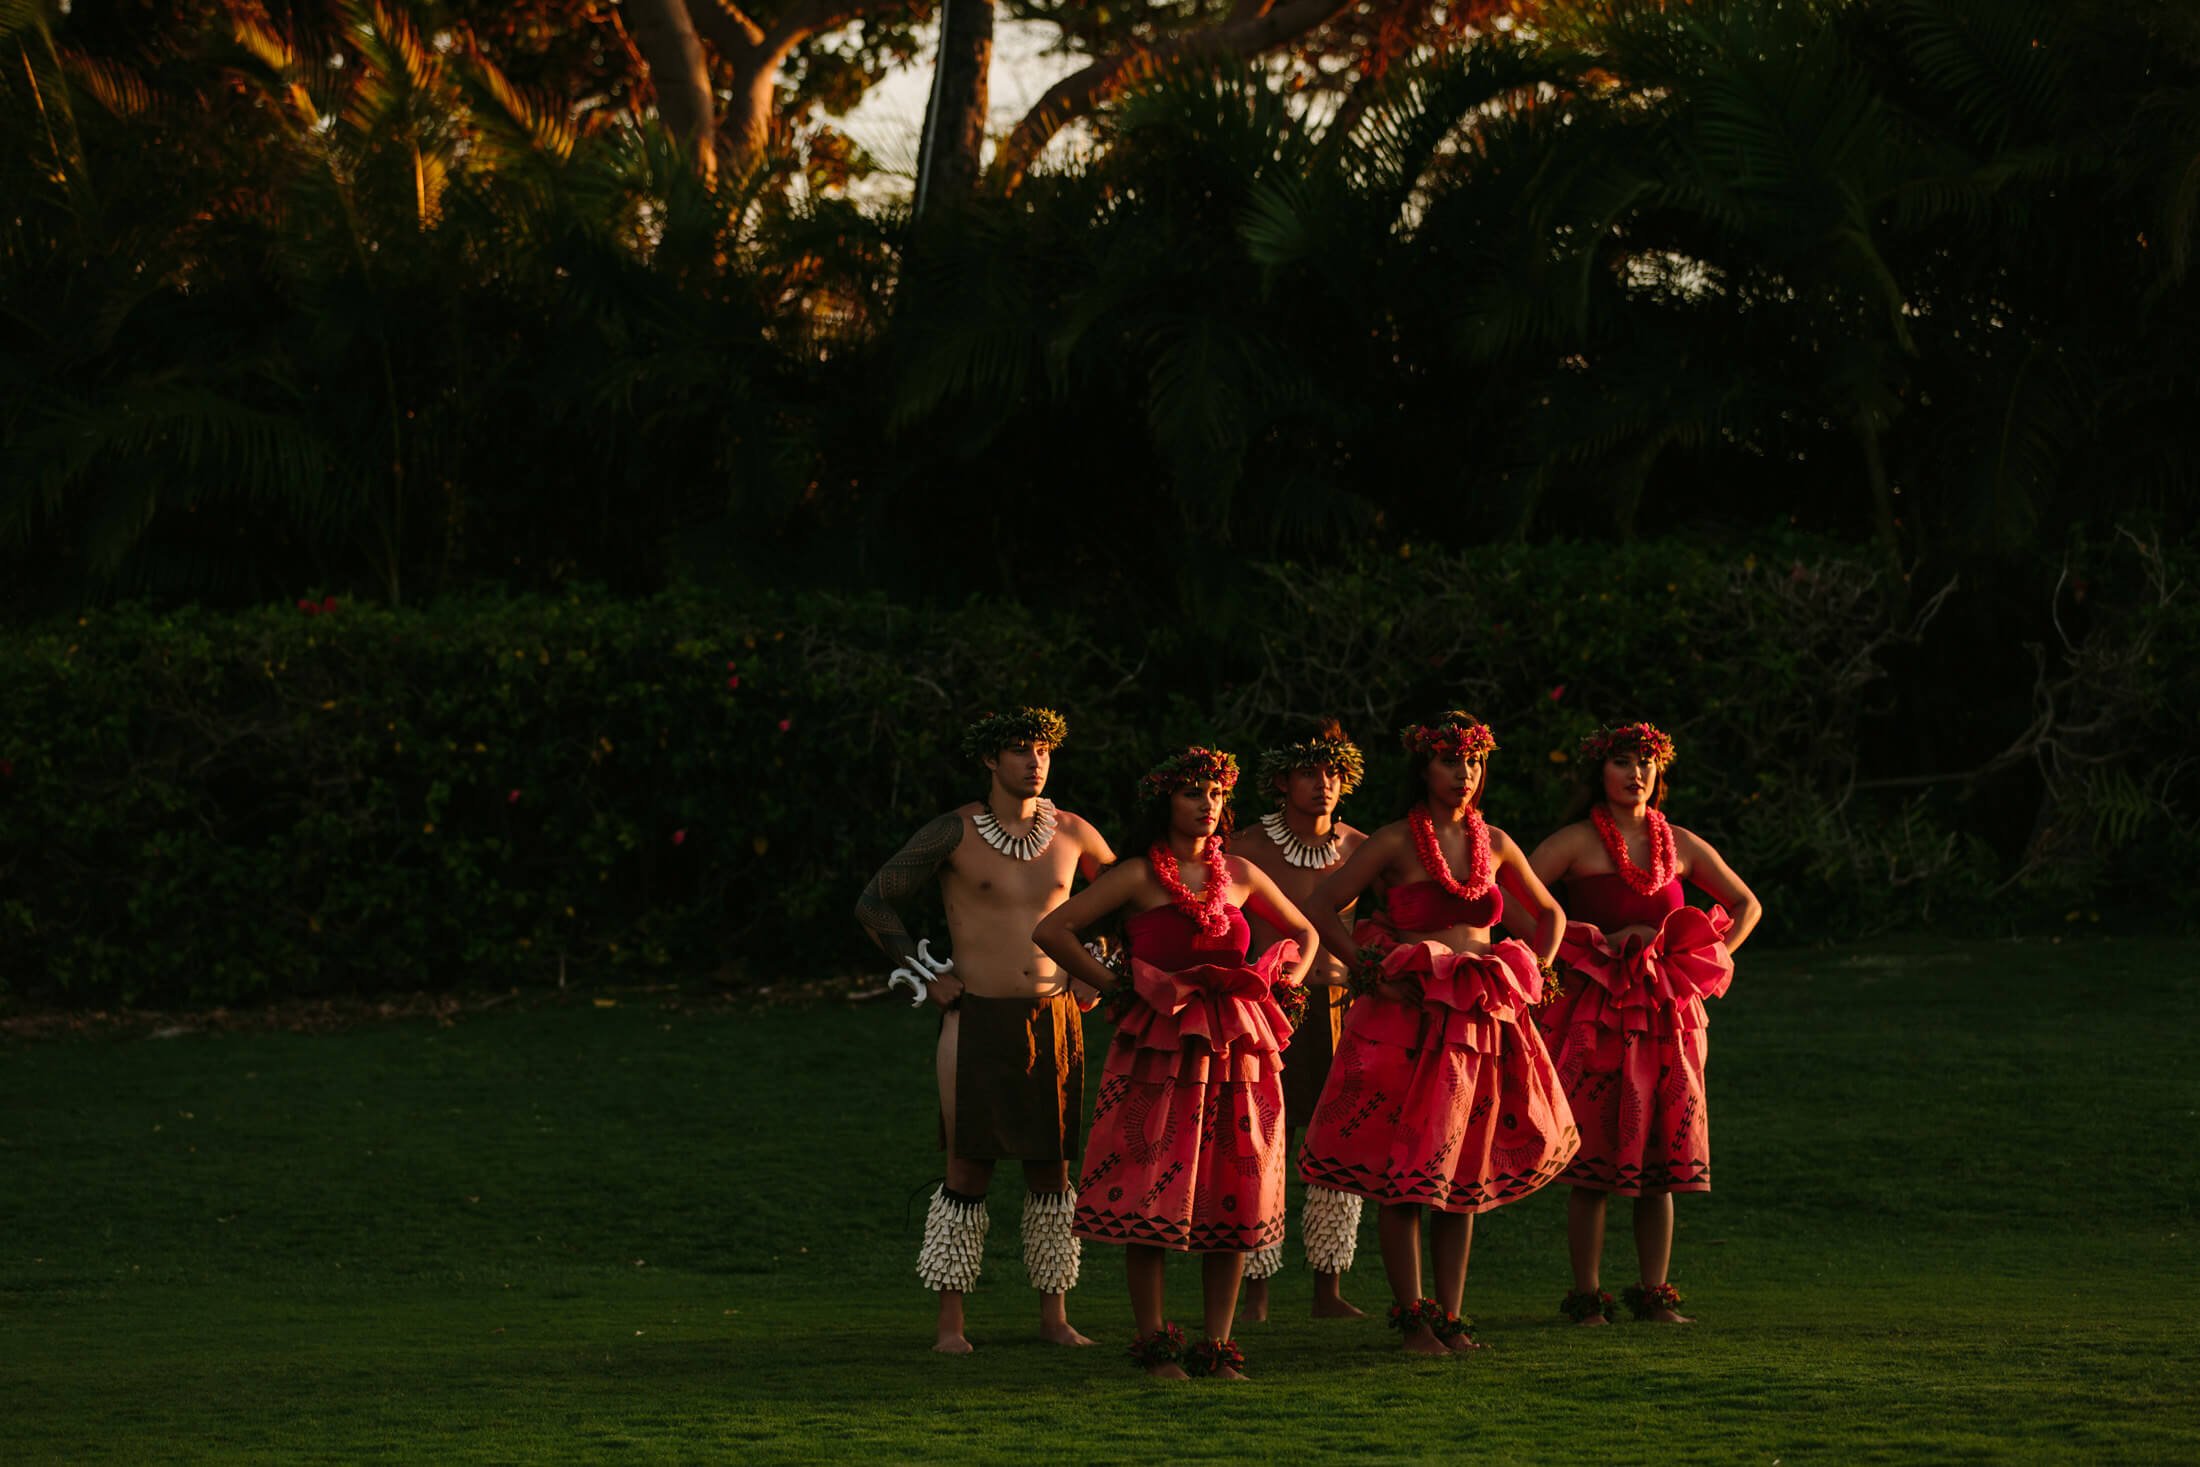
[[1296, 844], [1011, 1058]]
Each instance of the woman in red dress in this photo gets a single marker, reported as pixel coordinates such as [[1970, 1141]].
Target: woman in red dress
[[1628, 1028], [1187, 1150], [1442, 1094]]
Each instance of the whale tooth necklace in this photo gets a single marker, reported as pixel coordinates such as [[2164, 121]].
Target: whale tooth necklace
[[1023, 847], [1311, 857]]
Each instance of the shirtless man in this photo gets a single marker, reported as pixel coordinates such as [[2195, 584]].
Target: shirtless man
[[1011, 1060], [1297, 844]]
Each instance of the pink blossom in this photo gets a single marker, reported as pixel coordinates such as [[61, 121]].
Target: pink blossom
[[512, 798], [1558, 692], [734, 681], [328, 603], [785, 724], [679, 837], [307, 607], [729, 667]]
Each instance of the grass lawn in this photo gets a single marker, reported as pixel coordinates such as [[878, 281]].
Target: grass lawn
[[1955, 1221]]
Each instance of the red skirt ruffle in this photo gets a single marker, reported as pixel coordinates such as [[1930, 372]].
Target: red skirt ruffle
[[1451, 1101], [1186, 1150], [1629, 1038]]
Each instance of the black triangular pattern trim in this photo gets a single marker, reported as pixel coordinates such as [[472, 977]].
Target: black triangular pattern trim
[[1426, 1188], [1606, 1175], [1184, 1237]]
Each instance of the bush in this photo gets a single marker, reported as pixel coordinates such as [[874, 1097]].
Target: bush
[[205, 807]]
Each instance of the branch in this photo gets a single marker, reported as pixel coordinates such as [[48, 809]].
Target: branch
[[1239, 38], [726, 26], [749, 110]]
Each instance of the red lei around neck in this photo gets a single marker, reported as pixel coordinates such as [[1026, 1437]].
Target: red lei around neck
[[1207, 908], [1432, 855], [1664, 855]]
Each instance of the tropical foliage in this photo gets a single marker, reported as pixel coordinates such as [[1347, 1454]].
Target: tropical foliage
[[335, 796]]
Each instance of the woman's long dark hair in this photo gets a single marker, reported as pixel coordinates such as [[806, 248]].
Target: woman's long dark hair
[[1413, 786]]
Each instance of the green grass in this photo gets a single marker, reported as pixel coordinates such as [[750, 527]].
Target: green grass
[[1954, 1221]]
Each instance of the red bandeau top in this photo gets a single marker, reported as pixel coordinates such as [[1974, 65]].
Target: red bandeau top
[[1172, 942], [1423, 906], [1606, 900]]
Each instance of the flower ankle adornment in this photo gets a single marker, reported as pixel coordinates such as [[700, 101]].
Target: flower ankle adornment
[[1584, 1304], [1210, 1357], [1644, 1300], [1403, 1317], [1165, 1346]]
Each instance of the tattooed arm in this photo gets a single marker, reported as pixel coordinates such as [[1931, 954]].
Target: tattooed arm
[[903, 874]]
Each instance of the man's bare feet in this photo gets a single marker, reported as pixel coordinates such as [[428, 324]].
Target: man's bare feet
[[1063, 1333], [1329, 1300], [1254, 1304], [953, 1344]]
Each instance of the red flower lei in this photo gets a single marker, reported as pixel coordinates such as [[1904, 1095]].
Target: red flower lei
[[1664, 855], [1207, 908], [1432, 854]]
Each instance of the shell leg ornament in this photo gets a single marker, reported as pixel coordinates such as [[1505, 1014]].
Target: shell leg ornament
[[1331, 1222], [1265, 1263], [954, 1242], [1052, 1252]]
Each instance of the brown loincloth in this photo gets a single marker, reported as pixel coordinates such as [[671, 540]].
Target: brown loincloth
[[1313, 1046], [1019, 1079]]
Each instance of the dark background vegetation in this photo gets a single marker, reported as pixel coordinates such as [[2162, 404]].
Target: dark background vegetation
[[1815, 379]]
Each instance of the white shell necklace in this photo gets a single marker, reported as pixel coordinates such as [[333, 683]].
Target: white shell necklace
[[1298, 852], [1023, 847]]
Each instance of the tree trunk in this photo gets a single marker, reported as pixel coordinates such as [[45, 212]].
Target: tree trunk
[[948, 164], [680, 76]]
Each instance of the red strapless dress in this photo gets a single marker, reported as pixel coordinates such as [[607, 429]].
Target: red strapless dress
[[1187, 1144], [1629, 1035], [1449, 1099]]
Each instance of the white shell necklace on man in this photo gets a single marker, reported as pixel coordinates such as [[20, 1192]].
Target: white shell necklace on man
[[1018, 847], [1311, 857]]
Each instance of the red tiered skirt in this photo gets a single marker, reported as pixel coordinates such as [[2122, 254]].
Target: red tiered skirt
[[1186, 1150], [1629, 1036], [1451, 1101]]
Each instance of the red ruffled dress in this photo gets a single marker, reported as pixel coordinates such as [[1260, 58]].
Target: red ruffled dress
[[1452, 1100], [1187, 1141], [1629, 1035]]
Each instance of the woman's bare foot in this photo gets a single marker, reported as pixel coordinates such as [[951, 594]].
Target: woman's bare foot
[[1418, 1341], [952, 1344], [1224, 1372], [1167, 1370], [1461, 1344], [1665, 1316], [1254, 1304], [1592, 1319], [1063, 1333]]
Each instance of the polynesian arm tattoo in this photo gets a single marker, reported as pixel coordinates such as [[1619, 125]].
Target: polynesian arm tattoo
[[903, 874]]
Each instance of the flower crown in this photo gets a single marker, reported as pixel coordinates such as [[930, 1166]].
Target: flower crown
[[1458, 736], [1195, 765], [997, 731], [1646, 739], [1341, 755]]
